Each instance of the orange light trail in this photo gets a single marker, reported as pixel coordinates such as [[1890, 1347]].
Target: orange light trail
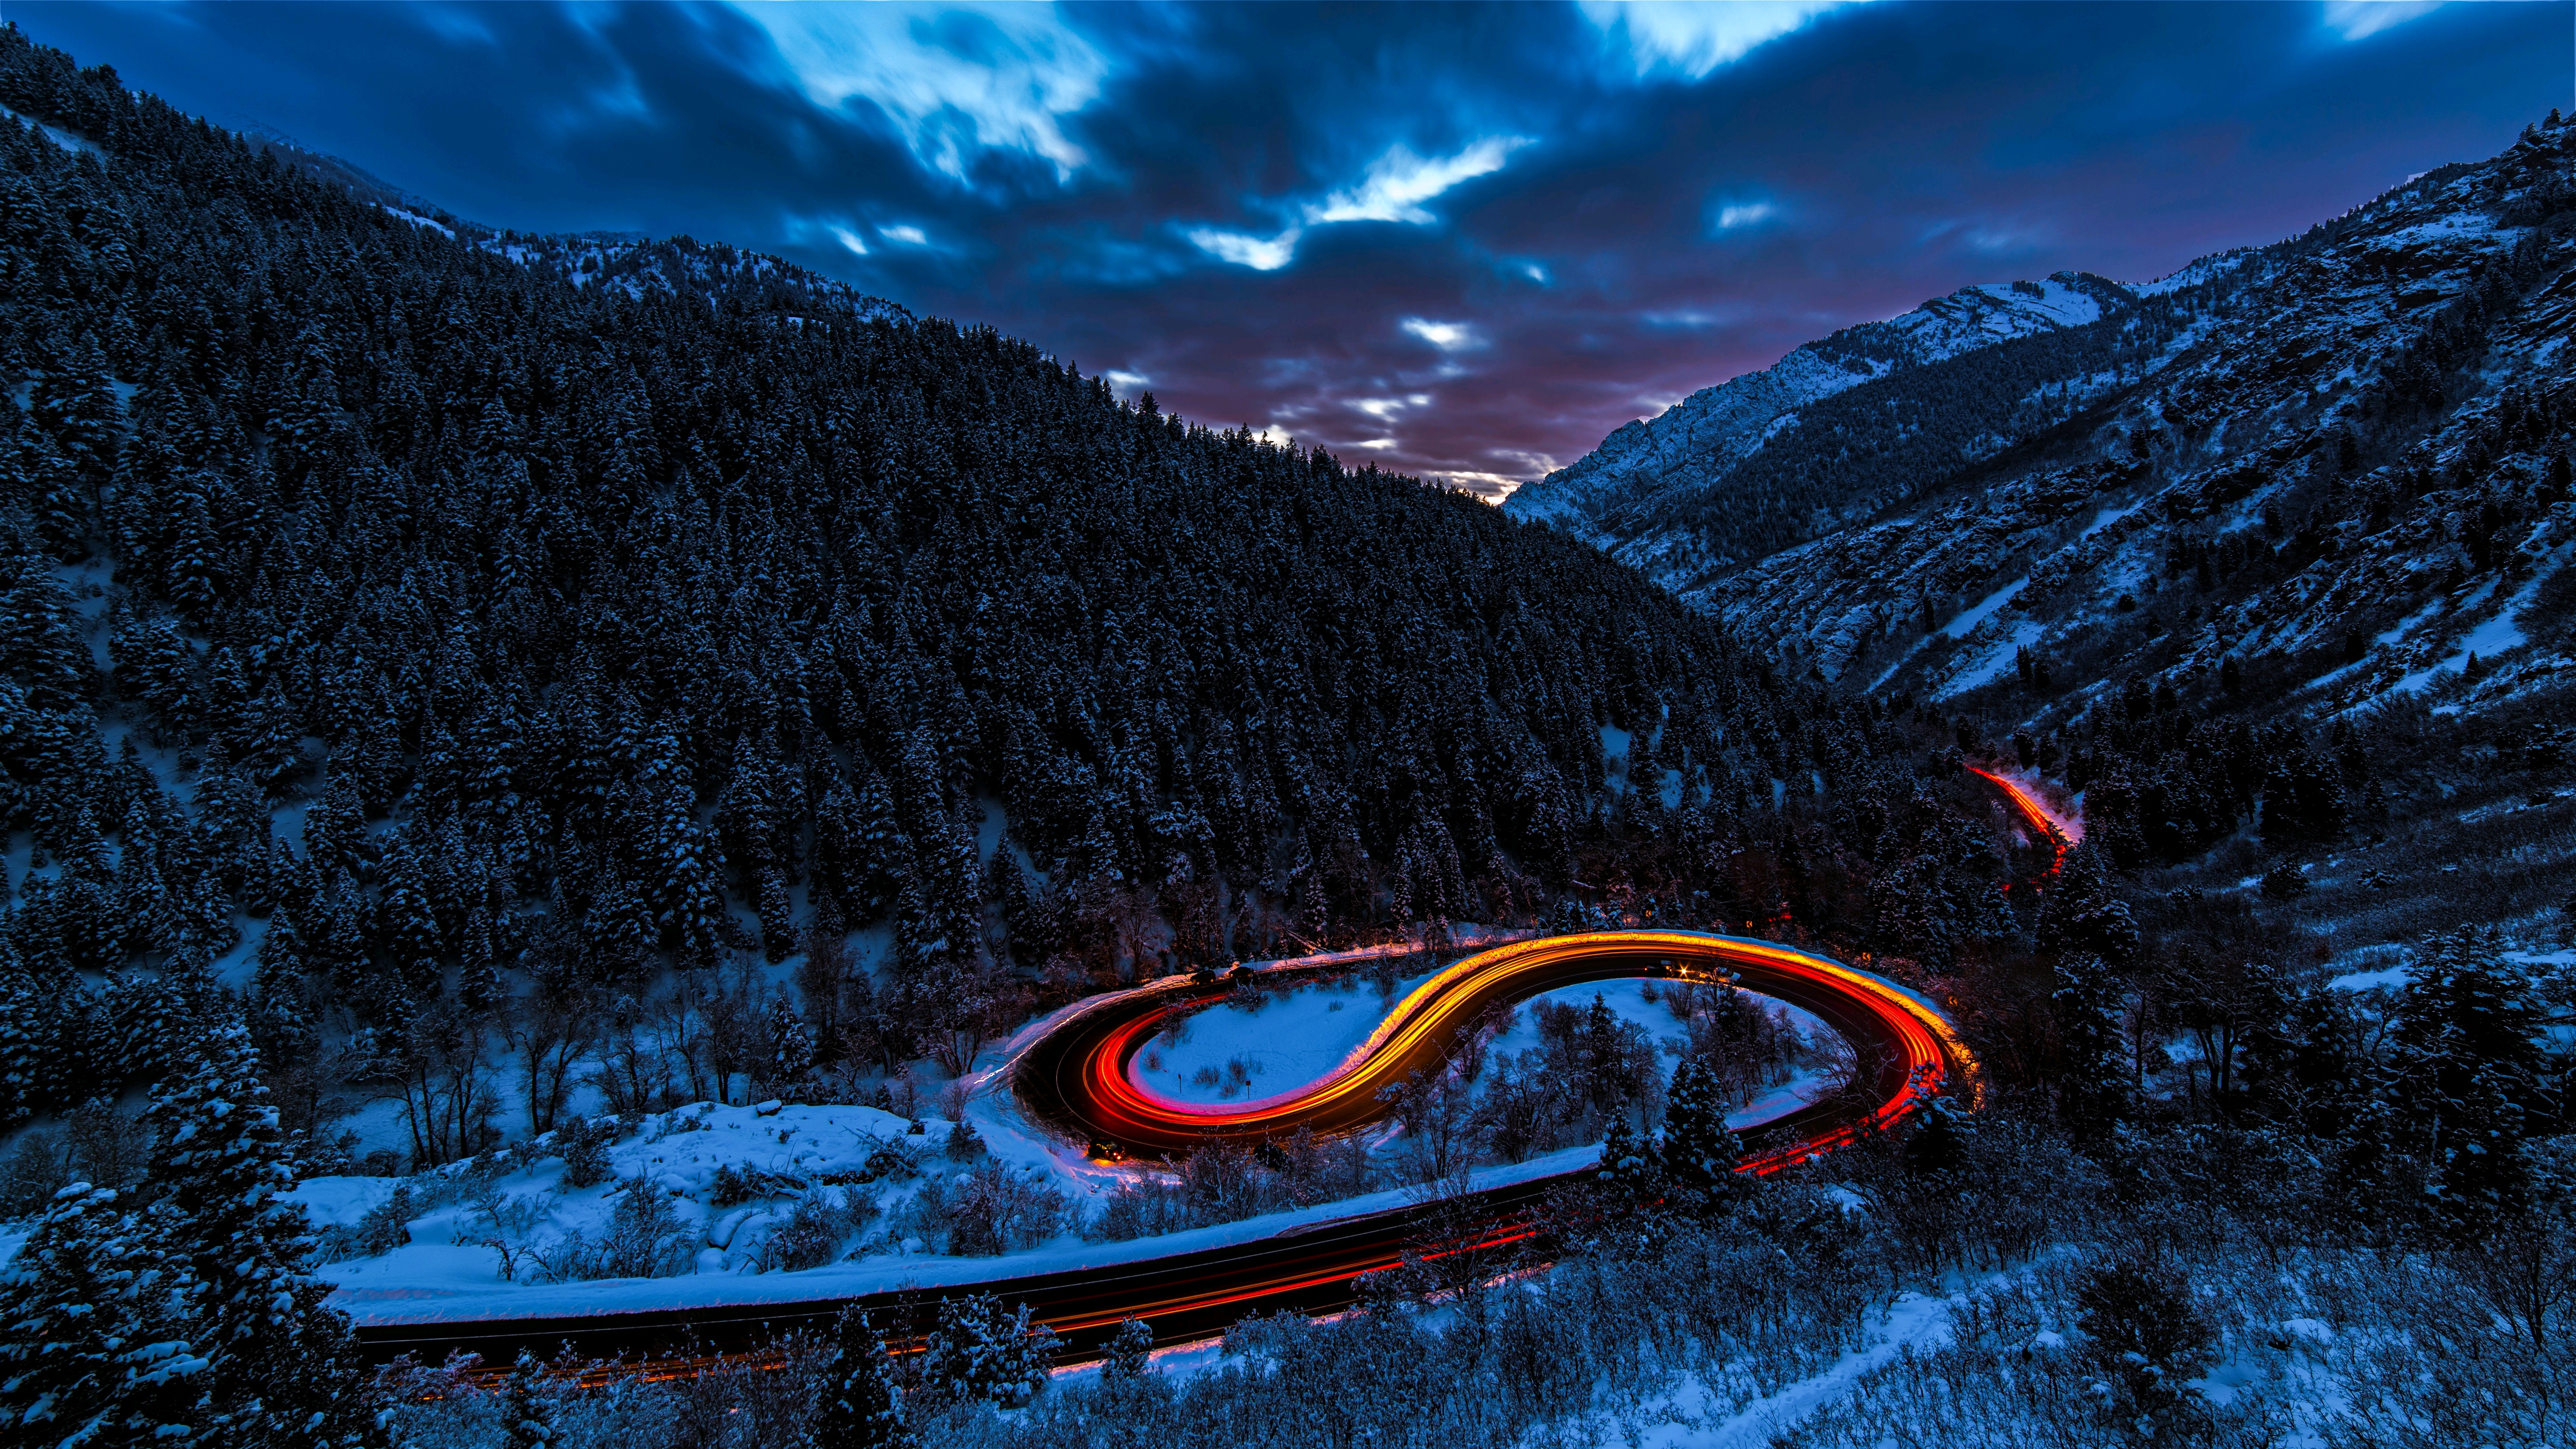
[[1117, 1108], [2032, 810]]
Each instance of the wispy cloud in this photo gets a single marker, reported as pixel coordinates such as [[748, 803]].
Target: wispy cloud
[[1262, 254], [2361, 19], [1393, 189], [1694, 37], [1398, 182], [1737, 215], [1447, 336], [958, 80]]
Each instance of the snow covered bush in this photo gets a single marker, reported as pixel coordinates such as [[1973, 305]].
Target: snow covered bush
[[994, 1209], [982, 1353], [811, 1234], [2148, 1339], [583, 1144], [382, 1228], [644, 1239]]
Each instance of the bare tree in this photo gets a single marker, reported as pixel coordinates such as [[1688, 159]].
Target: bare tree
[[1442, 1136], [552, 1030], [736, 1027], [632, 1074], [439, 1072], [680, 1031]]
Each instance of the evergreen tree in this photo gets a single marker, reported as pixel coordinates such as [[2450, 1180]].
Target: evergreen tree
[[98, 1343], [1129, 1351], [527, 1406], [2467, 1059], [2093, 1077], [791, 1048], [1699, 1151], [1627, 1161], [283, 1367], [860, 1406], [981, 1353]]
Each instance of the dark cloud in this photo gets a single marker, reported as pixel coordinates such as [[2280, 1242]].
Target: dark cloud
[[1464, 241]]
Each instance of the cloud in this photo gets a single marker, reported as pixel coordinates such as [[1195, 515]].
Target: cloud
[[1398, 182], [908, 235], [1693, 39], [454, 23], [1447, 336], [1262, 254], [957, 80], [1393, 189], [1126, 384], [849, 238], [1736, 215], [1387, 409], [2361, 19]]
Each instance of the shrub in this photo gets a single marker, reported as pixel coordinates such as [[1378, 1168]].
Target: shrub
[[584, 1147], [993, 1210], [811, 1234], [981, 1354], [644, 1239], [383, 1228], [733, 1186], [2147, 1337]]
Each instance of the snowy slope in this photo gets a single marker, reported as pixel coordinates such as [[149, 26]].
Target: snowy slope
[[1705, 434]]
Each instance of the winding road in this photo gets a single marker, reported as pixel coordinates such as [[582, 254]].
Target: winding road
[[1075, 1077]]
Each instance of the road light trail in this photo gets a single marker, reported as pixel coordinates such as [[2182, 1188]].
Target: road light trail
[[1075, 1076], [2058, 833], [1080, 1078]]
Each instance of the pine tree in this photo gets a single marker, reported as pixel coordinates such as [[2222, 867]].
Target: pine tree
[[280, 1028], [860, 1407], [283, 1366], [2092, 1083], [2468, 1056], [527, 1406], [97, 1343], [777, 918], [979, 1353], [791, 1047], [1699, 1152], [1627, 1161], [1129, 1351]]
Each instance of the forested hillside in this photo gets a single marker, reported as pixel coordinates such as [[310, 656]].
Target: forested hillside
[[449, 621], [454, 675]]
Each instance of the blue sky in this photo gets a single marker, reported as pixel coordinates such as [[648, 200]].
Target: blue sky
[[1465, 242]]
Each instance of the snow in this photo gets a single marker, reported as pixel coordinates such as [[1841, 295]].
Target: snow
[[2410, 623], [1990, 666], [417, 219], [2106, 518], [2489, 637], [447, 1273], [1913, 1322], [1983, 609], [1283, 1040], [55, 134]]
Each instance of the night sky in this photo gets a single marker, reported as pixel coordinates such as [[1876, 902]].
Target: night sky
[[1464, 242]]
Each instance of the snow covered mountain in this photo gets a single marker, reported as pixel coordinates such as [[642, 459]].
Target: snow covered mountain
[[2300, 513], [1648, 468], [2342, 455]]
